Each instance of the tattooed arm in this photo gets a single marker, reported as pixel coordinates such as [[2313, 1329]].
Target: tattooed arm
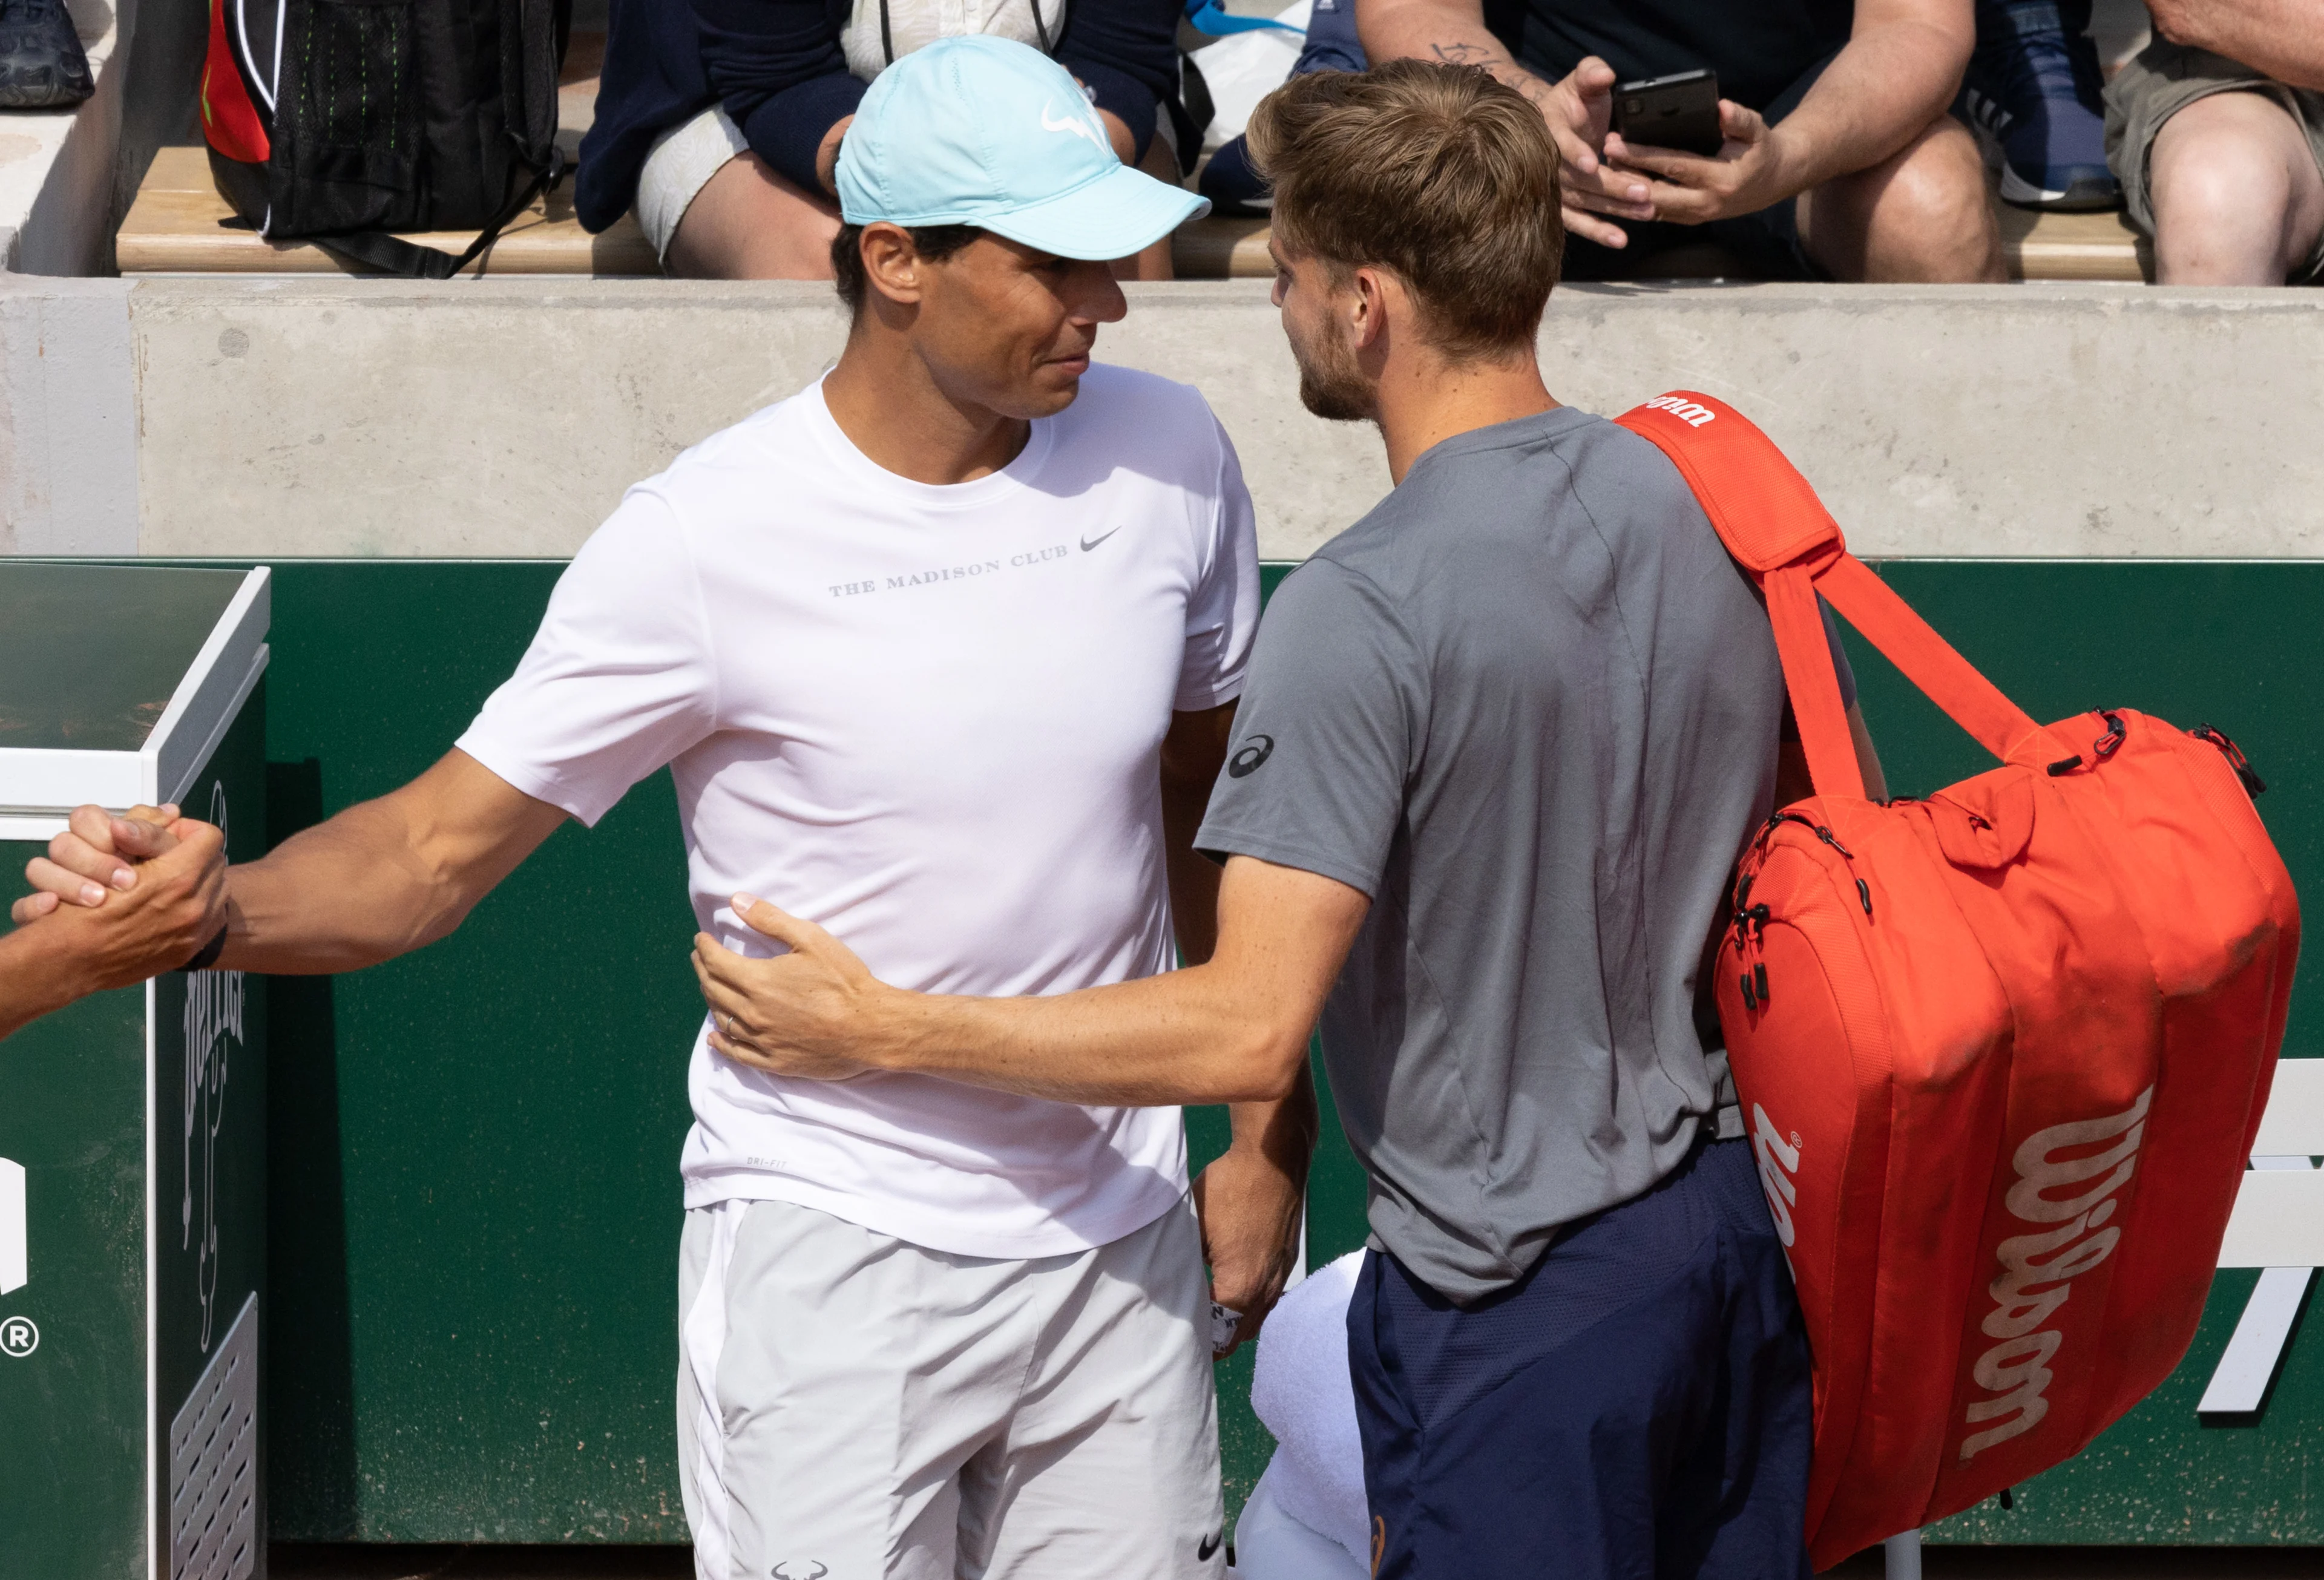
[[1576, 108]]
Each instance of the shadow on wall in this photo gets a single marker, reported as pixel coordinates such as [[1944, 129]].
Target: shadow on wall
[[311, 1470]]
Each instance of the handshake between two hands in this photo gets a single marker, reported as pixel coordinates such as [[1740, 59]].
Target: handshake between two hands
[[119, 899]]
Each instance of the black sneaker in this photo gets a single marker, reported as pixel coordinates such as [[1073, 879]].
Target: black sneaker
[[2033, 88], [42, 66]]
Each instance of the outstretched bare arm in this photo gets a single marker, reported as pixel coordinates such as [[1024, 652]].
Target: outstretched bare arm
[[380, 879]]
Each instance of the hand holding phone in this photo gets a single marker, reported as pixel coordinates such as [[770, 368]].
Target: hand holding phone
[[1679, 112]]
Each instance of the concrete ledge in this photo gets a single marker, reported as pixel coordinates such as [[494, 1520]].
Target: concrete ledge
[[318, 416]]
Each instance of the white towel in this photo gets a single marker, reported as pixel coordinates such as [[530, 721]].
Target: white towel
[[1301, 1392], [1242, 69]]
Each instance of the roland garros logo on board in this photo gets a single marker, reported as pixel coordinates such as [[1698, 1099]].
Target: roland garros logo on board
[[2038, 1270]]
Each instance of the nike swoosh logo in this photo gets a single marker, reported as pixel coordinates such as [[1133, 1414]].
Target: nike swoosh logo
[[1091, 543], [1071, 125], [1203, 1553]]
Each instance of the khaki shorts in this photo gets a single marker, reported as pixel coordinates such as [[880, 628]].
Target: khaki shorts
[[2163, 79], [852, 1407]]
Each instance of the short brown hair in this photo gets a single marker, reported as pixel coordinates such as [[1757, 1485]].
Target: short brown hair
[[935, 243], [1439, 173]]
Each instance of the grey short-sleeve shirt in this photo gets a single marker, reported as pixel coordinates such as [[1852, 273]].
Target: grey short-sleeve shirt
[[1531, 708]]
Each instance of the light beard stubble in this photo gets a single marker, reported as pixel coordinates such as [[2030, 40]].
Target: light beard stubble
[[1332, 384]]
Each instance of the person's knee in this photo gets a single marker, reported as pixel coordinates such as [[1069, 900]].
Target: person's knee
[[2218, 163], [1933, 210], [1922, 214], [748, 222]]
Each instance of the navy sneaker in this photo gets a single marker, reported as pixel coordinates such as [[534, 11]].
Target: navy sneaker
[[41, 64], [2033, 88], [1231, 185]]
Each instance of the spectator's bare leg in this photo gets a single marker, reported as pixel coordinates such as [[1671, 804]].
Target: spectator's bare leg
[[1920, 215], [2237, 199], [1154, 262], [748, 222]]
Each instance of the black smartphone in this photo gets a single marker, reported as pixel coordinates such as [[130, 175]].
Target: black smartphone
[[1679, 111]]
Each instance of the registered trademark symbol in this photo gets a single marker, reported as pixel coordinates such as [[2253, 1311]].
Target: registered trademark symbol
[[1796, 1142], [19, 1338]]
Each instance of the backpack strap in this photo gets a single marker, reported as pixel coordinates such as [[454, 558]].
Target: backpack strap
[[381, 253], [1779, 532]]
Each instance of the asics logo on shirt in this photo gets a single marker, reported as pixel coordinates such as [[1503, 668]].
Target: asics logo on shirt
[[1091, 543], [1074, 126], [1246, 762]]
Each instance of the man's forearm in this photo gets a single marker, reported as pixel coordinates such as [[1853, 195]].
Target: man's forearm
[[1283, 1133], [1175, 1038], [36, 977], [1879, 92], [1448, 31], [2283, 39], [384, 877], [344, 894]]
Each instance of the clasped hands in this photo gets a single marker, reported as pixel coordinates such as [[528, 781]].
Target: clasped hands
[[144, 891], [1604, 178]]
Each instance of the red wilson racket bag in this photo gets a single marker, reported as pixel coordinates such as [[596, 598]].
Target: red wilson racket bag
[[2002, 1052]]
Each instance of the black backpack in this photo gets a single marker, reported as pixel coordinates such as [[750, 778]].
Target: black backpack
[[340, 121]]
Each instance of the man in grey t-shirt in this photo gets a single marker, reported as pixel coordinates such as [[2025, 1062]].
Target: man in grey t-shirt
[[1530, 707], [1501, 745]]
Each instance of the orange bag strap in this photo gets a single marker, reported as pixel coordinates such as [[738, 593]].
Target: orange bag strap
[[1779, 532]]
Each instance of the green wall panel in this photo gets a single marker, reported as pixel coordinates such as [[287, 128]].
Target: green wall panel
[[72, 1413], [473, 1149]]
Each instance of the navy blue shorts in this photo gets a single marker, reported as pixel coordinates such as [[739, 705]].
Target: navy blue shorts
[[1636, 1406]]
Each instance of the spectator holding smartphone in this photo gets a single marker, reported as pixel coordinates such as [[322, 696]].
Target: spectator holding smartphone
[[719, 120], [2216, 131], [1839, 160]]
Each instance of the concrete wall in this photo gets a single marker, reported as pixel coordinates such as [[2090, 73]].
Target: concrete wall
[[286, 417], [66, 178]]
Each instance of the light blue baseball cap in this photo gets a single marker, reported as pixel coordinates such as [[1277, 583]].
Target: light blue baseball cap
[[987, 131]]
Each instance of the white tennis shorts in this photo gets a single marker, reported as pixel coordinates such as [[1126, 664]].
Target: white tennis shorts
[[851, 1407]]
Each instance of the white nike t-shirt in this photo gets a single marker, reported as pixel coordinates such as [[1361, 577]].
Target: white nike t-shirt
[[928, 717]]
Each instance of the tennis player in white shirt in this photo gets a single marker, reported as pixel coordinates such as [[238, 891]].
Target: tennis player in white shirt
[[942, 653]]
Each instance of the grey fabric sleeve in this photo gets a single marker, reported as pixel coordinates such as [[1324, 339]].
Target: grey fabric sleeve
[[1325, 738]]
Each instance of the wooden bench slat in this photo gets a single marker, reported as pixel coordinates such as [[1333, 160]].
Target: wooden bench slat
[[175, 227], [2035, 246]]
